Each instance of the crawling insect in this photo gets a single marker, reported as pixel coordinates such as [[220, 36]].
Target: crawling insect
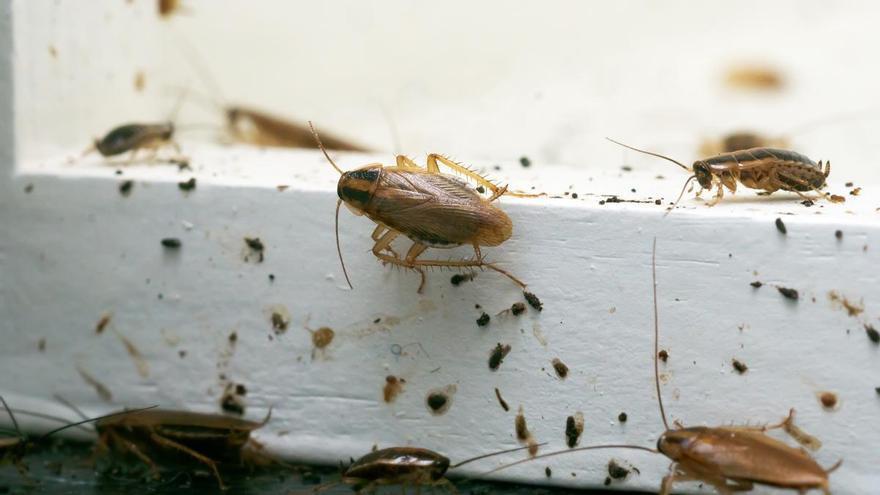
[[433, 209], [259, 128], [210, 439], [404, 466], [767, 169], [729, 458], [14, 449], [741, 140]]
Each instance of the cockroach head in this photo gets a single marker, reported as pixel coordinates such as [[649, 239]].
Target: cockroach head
[[703, 174], [672, 443], [356, 187], [438, 470]]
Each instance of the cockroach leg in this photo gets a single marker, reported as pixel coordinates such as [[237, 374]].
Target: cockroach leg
[[406, 162], [160, 440], [383, 243], [378, 233]]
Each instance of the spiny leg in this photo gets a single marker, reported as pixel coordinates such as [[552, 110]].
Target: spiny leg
[[719, 193], [383, 243], [377, 234], [404, 161], [166, 442], [414, 252], [131, 447]]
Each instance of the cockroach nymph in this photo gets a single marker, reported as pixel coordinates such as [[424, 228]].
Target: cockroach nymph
[[767, 169], [729, 458], [433, 209], [404, 466]]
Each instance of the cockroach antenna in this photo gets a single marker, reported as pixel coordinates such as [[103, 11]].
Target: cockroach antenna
[[90, 420], [11, 416], [338, 203], [657, 332], [658, 155]]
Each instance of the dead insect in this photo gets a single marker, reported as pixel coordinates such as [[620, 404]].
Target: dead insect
[[14, 449], [134, 138], [433, 209], [729, 458], [403, 466], [767, 169], [210, 439]]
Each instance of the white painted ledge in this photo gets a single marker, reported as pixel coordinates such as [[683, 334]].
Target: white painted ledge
[[73, 249]]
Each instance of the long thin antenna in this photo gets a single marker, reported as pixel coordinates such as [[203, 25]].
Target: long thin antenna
[[324, 150], [578, 449], [493, 454], [69, 404], [680, 195], [98, 418], [45, 416], [658, 155], [338, 247], [11, 416], [657, 333]]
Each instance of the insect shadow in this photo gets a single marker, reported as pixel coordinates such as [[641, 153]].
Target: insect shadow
[[729, 458]]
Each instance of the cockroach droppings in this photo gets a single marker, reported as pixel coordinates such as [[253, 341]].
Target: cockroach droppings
[[41, 346], [788, 293], [781, 226], [483, 320], [102, 323], [622, 417], [616, 471], [663, 355], [393, 387], [439, 400], [460, 278], [533, 300], [233, 338], [548, 472], [525, 162], [739, 366], [125, 187], [838, 234], [501, 401], [560, 367], [828, 400], [522, 430], [497, 356], [188, 185], [256, 245], [322, 337], [518, 308], [171, 243], [436, 401], [872, 333], [757, 284], [279, 322], [574, 427]]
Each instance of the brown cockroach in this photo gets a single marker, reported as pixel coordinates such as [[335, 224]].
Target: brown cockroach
[[404, 466], [14, 449], [210, 439], [767, 169], [729, 458], [433, 209]]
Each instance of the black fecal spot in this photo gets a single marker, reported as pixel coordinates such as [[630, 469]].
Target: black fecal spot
[[436, 401], [780, 226], [788, 293]]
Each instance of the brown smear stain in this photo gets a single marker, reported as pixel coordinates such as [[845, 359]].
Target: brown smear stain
[[539, 334], [279, 317], [103, 392], [167, 8], [321, 338], [753, 77], [53, 52], [439, 400], [834, 198], [140, 363], [103, 322], [140, 81], [523, 434], [560, 367], [393, 387], [841, 302]]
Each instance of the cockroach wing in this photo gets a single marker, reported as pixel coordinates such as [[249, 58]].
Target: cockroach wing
[[749, 455], [437, 210]]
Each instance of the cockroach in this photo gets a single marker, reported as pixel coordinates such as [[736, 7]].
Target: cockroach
[[404, 466], [14, 449], [433, 209], [210, 439], [767, 169], [729, 458]]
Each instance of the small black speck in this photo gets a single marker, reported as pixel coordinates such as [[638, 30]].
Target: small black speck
[[607, 481], [240, 389], [548, 472], [574, 195], [125, 187], [497, 167], [788, 293], [533, 301], [622, 417], [633, 189], [377, 320], [838, 234], [481, 189], [525, 162], [626, 168], [807, 202], [483, 320], [187, 185], [848, 184], [28, 188], [436, 401], [757, 284], [601, 201], [781, 226], [873, 334], [181, 353], [877, 389], [171, 242], [518, 308], [233, 337], [658, 202], [663, 355], [740, 366], [271, 277], [617, 471], [254, 243]]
